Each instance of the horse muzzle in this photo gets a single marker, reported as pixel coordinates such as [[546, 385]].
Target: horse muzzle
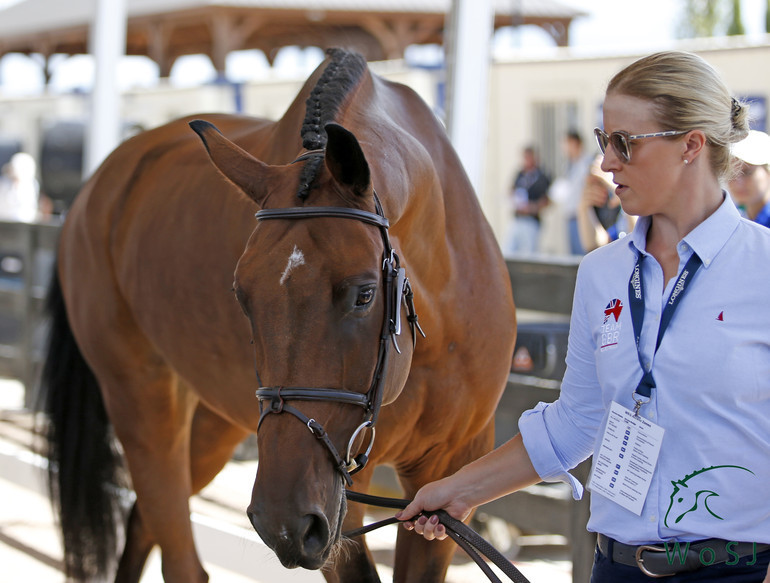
[[303, 540]]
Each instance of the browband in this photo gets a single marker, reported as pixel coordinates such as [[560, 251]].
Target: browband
[[324, 211]]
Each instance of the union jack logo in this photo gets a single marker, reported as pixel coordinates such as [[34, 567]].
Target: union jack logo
[[613, 309]]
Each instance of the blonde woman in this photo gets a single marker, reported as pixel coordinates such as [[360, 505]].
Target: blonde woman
[[668, 368]]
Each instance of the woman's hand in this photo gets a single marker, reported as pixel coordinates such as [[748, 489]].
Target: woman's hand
[[440, 494]]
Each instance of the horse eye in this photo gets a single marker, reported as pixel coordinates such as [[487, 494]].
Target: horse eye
[[365, 296]]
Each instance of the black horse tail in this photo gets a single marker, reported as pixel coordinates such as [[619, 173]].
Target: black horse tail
[[83, 464]]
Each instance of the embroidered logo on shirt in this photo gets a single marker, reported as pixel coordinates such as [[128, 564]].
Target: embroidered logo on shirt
[[693, 493], [613, 309], [721, 317], [611, 325]]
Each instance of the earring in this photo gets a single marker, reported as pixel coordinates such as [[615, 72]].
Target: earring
[[686, 161]]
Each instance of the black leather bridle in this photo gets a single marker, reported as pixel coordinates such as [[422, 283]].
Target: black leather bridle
[[396, 290]]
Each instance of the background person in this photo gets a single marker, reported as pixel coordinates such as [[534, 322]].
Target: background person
[[600, 217], [673, 405], [750, 186], [528, 195], [566, 191], [19, 189]]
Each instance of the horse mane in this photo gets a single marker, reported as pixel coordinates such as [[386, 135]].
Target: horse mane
[[343, 73]]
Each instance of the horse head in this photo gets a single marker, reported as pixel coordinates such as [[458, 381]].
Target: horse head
[[324, 294]]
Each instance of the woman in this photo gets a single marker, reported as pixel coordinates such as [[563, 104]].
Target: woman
[[677, 422]]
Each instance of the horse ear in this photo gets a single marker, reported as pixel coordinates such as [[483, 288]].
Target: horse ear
[[345, 159], [236, 164]]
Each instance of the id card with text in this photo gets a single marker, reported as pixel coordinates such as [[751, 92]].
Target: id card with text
[[622, 470]]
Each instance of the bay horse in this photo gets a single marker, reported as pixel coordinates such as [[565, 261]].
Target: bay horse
[[365, 221]]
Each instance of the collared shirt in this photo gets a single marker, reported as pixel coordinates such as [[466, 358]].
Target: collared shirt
[[712, 372]]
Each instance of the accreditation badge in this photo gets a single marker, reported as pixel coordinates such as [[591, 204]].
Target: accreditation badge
[[622, 469]]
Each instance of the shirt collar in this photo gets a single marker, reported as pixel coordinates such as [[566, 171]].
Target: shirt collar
[[707, 239]]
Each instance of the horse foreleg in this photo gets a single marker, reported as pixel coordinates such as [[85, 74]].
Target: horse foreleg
[[157, 449], [213, 440], [419, 560]]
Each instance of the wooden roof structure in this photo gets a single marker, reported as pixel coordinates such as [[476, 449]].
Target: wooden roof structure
[[164, 30]]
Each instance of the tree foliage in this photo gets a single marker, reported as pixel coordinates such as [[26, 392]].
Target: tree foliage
[[736, 23], [705, 18]]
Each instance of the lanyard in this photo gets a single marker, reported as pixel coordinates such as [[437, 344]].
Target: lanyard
[[636, 300]]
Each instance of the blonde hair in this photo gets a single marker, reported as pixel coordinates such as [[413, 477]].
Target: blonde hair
[[688, 94]]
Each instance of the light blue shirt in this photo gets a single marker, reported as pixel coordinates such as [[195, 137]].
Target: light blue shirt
[[712, 372]]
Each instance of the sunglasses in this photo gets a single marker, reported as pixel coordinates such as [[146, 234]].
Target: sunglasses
[[621, 141]]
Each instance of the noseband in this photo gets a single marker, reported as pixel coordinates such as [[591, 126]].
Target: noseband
[[396, 290]]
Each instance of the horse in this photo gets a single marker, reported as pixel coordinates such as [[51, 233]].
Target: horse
[[171, 303]]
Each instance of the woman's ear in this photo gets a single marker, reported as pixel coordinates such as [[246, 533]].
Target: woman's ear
[[693, 142]]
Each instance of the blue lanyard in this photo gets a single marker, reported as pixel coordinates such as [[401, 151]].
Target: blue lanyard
[[636, 301]]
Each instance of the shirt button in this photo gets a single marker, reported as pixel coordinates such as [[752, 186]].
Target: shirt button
[[653, 518], [651, 414], [648, 366]]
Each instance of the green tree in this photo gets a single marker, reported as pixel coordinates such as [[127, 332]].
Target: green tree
[[702, 18], [736, 23]]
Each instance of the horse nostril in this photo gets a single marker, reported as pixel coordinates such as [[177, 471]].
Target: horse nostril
[[314, 534]]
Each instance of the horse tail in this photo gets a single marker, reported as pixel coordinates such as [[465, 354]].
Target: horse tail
[[82, 462]]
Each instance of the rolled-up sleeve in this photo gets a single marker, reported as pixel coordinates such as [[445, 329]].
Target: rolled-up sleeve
[[541, 451], [560, 435]]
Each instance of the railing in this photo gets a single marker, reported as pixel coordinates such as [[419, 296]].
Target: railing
[[27, 252]]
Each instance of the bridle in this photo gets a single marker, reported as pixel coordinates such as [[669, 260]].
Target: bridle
[[396, 290]]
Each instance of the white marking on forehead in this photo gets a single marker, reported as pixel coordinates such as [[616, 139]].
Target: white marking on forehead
[[295, 260]]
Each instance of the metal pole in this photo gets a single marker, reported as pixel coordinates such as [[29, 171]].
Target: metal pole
[[470, 27], [107, 45]]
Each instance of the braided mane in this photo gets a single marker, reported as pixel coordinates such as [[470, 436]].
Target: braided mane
[[342, 74]]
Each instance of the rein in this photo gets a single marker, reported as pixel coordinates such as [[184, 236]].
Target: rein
[[474, 545]]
